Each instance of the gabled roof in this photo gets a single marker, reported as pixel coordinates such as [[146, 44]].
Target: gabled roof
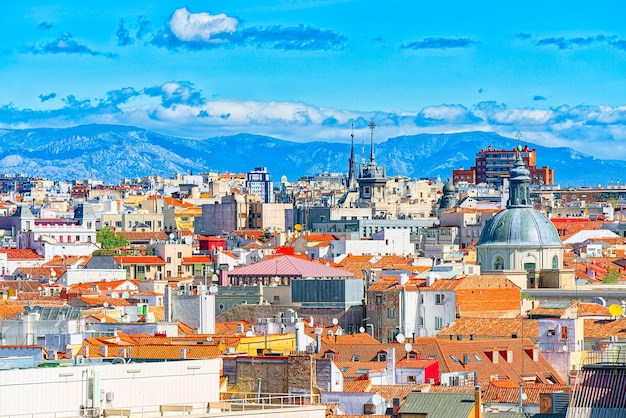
[[287, 265]]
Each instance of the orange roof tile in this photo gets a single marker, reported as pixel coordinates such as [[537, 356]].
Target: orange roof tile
[[26, 254]]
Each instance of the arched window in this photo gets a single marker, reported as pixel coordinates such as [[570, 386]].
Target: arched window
[[555, 262], [498, 263]]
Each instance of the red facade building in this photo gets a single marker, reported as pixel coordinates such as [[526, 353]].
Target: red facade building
[[492, 165]]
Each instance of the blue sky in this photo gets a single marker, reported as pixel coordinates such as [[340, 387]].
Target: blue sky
[[306, 70]]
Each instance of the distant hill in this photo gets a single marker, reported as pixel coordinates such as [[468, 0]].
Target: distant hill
[[112, 152]]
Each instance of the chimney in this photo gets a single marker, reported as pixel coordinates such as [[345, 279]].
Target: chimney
[[318, 343], [403, 279], [478, 403]]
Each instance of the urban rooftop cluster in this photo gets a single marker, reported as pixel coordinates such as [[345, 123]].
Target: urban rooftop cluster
[[221, 294]]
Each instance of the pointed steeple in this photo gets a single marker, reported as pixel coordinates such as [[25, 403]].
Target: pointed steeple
[[352, 164], [372, 125]]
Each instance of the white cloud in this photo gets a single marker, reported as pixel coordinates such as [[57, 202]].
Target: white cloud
[[201, 27]]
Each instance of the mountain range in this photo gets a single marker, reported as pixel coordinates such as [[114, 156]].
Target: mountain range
[[113, 152]]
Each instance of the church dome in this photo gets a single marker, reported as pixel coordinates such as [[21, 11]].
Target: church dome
[[520, 227], [448, 188]]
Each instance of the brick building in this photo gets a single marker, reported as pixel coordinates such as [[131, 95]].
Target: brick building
[[492, 165]]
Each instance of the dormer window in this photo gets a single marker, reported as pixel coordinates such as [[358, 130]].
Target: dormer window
[[381, 357], [356, 357]]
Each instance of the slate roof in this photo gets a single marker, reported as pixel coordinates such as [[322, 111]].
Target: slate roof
[[440, 405]]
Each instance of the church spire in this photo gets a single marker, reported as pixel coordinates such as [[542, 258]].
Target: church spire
[[352, 163], [372, 125]]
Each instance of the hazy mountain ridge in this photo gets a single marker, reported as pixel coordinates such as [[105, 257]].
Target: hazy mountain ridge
[[112, 152]]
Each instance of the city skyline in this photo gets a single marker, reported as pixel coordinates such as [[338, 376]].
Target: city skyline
[[305, 70]]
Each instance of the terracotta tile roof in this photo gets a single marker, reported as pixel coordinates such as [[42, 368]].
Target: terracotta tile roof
[[356, 369], [184, 329], [389, 392], [592, 309], [357, 385], [102, 318], [67, 261], [357, 259], [604, 328], [250, 234], [355, 267], [8, 310], [313, 237], [507, 391], [197, 259], [567, 227], [21, 254], [479, 352], [391, 283], [42, 272], [230, 328], [393, 262], [482, 328], [98, 301]]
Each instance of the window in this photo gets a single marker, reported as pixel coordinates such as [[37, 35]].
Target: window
[[356, 357], [410, 379], [168, 260], [381, 357], [77, 238], [555, 262], [439, 297], [179, 255], [563, 332], [379, 300], [438, 322], [391, 312], [118, 224]]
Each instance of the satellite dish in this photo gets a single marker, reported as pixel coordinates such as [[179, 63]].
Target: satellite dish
[[408, 347], [297, 227], [125, 295], [249, 333], [105, 304], [377, 399], [172, 236], [616, 310], [114, 295], [565, 348], [361, 330], [213, 289], [524, 396], [400, 338], [335, 321]]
